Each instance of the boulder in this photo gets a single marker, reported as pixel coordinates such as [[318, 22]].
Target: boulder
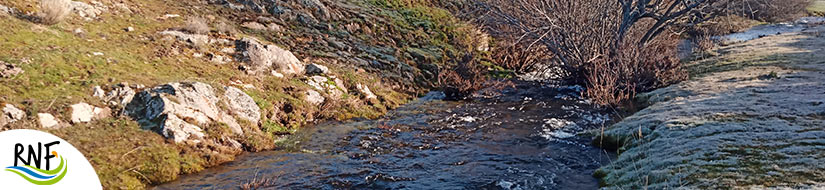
[[47, 120], [82, 112], [316, 69], [314, 98], [261, 59], [8, 70], [179, 111], [10, 115], [242, 105]]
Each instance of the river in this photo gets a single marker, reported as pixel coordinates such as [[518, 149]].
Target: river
[[528, 137]]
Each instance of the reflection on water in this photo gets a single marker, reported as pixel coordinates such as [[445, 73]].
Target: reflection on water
[[523, 139]]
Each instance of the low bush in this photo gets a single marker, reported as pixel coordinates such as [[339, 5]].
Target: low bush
[[53, 11], [462, 80], [617, 80], [196, 25], [770, 10]]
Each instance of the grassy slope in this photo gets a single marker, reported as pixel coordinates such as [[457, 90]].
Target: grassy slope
[[60, 70]]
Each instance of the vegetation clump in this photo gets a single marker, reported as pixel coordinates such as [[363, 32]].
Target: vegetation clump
[[54, 11]]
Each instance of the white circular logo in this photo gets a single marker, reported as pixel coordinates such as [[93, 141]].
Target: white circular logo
[[32, 159]]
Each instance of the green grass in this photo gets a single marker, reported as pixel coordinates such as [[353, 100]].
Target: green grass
[[60, 65], [126, 157]]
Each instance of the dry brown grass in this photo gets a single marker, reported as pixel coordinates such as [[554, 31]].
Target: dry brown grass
[[54, 11], [196, 25], [770, 10]]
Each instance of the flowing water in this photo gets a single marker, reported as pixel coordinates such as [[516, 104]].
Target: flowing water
[[530, 137]]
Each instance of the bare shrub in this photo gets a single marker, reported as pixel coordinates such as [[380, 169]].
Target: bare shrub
[[54, 11], [616, 49], [224, 28], [464, 79], [520, 57], [196, 25], [617, 79], [770, 10]]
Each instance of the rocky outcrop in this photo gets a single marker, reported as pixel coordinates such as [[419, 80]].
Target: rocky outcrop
[[754, 124], [10, 115], [180, 111], [184, 111], [87, 11], [8, 70], [264, 59]]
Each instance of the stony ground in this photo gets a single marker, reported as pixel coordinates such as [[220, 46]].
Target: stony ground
[[753, 116]]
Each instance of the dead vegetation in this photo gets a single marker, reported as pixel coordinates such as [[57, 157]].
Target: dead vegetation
[[196, 25], [53, 11], [461, 81], [615, 49]]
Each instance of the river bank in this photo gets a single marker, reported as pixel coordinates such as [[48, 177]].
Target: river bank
[[532, 136], [751, 116]]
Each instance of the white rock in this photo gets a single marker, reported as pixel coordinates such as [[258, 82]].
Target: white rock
[[168, 16], [47, 120], [177, 109], [180, 131], [313, 97], [82, 112], [277, 74], [98, 92], [242, 105], [365, 91], [102, 113], [129, 29], [119, 96], [261, 58], [10, 115]]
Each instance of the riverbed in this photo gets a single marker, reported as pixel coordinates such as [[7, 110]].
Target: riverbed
[[532, 136]]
